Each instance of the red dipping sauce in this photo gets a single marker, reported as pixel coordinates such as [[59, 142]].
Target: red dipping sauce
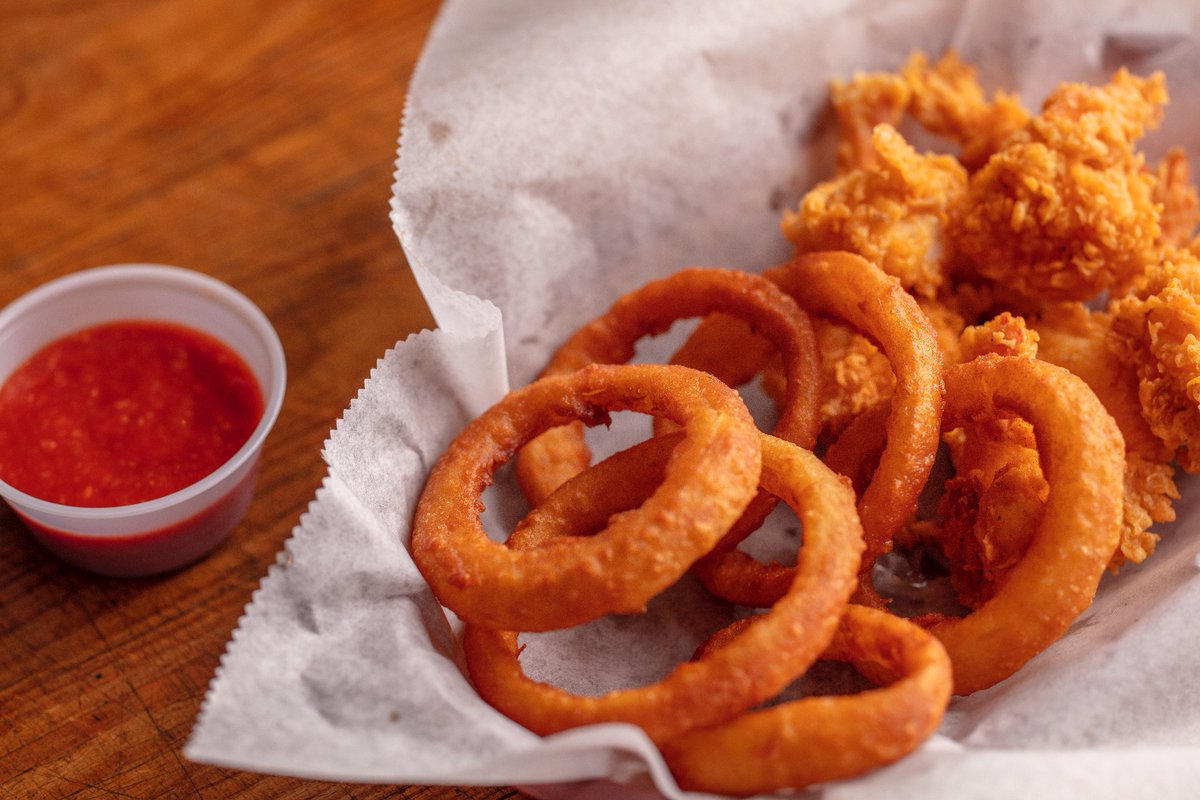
[[124, 412]]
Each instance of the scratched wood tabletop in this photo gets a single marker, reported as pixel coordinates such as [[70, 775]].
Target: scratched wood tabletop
[[253, 141]]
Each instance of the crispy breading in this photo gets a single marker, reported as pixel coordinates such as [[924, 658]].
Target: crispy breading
[[860, 104], [1077, 338], [947, 100], [1004, 334], [891, 213], [855, 376], [991, 507], [948, 324], [1174, 191], [1156, 332], [1064, 210]]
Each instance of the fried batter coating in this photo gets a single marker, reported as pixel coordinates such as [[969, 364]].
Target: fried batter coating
[[948, 101], [1076, 338], [992, 506], [892, 213], [855, 376], [1064, 210], [1149, 489], [1174, 191], [947, 324], [1004, 334], [1156, 333], [1058, 208], [860, 104]]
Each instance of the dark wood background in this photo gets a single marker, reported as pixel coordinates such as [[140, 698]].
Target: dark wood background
[[252, 140]]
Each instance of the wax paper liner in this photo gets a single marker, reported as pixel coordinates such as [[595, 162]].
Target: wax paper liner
[[552, 157]]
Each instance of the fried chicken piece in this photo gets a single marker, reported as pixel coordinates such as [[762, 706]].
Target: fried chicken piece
[[892, 213], [948, 101], [1064, 210], [1076, 338], [860, 104], [1174, 191], [1156, 333]]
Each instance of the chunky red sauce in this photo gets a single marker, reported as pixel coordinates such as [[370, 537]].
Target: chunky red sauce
[[124, 412]]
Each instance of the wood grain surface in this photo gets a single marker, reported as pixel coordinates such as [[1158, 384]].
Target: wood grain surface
[[252, 140]]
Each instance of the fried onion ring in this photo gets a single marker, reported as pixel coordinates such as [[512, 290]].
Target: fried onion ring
[[848, 288], [547, 461], [712, 689], [708, 482], [823, 738], [1083, 460]]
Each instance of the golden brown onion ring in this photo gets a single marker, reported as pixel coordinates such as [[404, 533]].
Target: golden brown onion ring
[[1083, 461], [708, 482], [823, 738]]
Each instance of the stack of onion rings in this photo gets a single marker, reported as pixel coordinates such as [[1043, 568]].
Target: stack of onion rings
[[752, 668]]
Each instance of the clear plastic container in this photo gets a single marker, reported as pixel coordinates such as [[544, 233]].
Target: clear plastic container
[[174, 530]]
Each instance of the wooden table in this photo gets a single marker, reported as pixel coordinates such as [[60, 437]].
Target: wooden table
[[253, 141]]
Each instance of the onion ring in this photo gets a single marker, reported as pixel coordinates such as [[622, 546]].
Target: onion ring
[[710, 479], [817, 739], [548, 460], [848, 288], [1083, 460], [710, 690]]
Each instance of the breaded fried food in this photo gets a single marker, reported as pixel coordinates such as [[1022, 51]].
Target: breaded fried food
[[892, 213], [1156, 333], [1174, 191], [947, 100], [855, 376], [860, 104], [992, 505], [1065, 209], [948, 324], [1005, 335], [1077, 338]]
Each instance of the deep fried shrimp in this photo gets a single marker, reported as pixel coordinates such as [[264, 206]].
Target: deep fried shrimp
[[892, 213], [1064, 210], [992, 505]]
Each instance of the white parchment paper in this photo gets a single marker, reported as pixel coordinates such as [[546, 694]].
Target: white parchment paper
[[553, 156]]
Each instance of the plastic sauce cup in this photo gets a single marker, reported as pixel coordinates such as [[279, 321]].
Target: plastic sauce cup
[[174, 530]]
